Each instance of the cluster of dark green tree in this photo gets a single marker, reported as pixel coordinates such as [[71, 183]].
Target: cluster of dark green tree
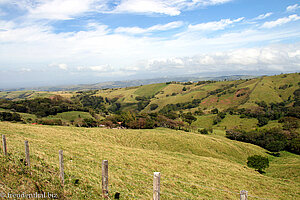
[[56, 122], [142, 121], [258, 162], [274, 139], [88, 101], [219, 117], [219, 90], [42, 107], [95, 102], [142, 102], [180, 106], [8, 116]]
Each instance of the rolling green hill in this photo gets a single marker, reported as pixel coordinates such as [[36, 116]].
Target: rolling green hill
[[223, 95], [192, 165]]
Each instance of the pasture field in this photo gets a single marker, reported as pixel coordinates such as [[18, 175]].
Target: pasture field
[[149, 90], [71, 115], [192, 165]]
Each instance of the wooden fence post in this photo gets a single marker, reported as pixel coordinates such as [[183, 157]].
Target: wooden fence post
[[156, 186], [243, 195], [4, 145], [27, 153], [61, 167], [105, 178]]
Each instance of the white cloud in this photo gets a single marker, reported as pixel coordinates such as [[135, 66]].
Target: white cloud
[[280, 21], [148, 6], [101, 68], [158, 27], [59, 9], [273, 58], [292, 8], [4, 1], [263, 16], [167, 7], [215, 25], [97, 68], [105, 50], [25, 69], [68, 9], [63, 66]]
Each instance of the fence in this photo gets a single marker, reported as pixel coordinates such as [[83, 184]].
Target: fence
[[105, 177]]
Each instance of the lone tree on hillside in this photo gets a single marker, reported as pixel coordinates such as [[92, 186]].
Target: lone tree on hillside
[[258, 162]]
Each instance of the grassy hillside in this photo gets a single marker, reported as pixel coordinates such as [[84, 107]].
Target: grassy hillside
[[238, 93], [192, 165], [19, 95], [72, 115], [221, 95], [16, 178], [149, 90], [229, 122]]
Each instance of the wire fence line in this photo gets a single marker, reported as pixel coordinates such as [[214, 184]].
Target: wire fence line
[[187, 183], [258, 197], [147, 175]]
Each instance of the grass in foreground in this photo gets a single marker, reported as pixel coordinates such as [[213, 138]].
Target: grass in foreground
[[16, 178], [191, 164]]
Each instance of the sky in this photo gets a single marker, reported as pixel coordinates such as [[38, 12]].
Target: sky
[[58, 42]]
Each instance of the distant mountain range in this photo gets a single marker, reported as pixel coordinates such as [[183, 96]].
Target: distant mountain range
[[130, 83]]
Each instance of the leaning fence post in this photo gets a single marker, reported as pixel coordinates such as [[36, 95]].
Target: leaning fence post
[[156, 186], [243, 195], [61, 167], [105, 178], [27, 153], [4, 145]]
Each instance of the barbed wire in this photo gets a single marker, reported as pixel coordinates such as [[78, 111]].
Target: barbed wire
[[135, 171], [203, 186], [167, 193], [258, 197], [188, 183]]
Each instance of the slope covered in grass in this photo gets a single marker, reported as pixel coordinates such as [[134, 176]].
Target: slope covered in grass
[[191, 164], [221, 94], [72, 115], [149, 90], [16, 178]]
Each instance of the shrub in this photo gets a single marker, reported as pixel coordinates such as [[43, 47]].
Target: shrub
[[153, 106], [214, 111], [203, 131], [7, 116], [217, 120], [262, 121], [258, 162], [199, 112], [290, 123], [294, 145], [56, 122], [188, 117], [222, 115], [276, 146]]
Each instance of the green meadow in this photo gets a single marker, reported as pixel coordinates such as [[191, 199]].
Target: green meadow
[[193, 166]]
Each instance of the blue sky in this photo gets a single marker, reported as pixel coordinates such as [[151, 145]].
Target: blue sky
[[53, 42]]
